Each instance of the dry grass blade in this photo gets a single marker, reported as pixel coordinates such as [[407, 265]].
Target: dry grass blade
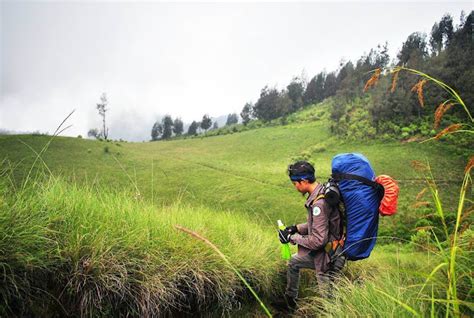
[[420, 204], [373, 80], [421, 194], [394, 80], [419, 166], [418, 88], [440, 111], [469, 165], [201, 238], [448, 130]]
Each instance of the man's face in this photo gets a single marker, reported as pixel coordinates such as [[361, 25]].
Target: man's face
[[301, 186]]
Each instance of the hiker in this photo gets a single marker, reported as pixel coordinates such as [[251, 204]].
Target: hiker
[[317, 239]]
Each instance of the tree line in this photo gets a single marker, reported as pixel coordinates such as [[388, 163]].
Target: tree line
[[168, 128], [447, 53], [164, 129]]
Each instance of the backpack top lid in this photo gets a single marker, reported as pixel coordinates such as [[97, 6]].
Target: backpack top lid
[[353, 163]]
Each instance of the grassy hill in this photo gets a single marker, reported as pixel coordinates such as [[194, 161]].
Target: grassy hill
[[243, 172], [102, 227]]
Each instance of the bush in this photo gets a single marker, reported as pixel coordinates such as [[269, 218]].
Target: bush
[[254, 124], [106, 149], [406, 130], [421, 240]]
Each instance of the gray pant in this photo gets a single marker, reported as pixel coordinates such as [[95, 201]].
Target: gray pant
[[298, 262]]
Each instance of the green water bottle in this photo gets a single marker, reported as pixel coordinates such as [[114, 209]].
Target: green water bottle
[[285, 248]]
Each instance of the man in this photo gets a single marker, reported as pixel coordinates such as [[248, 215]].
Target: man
[[318, 239]]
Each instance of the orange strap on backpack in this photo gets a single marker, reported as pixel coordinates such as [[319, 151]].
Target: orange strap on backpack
[[388, 205]]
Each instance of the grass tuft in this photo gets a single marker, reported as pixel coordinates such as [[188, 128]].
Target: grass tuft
[[93, 251]]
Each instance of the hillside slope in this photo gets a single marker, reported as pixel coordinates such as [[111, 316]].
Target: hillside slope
[[243, 172], [97, 236]]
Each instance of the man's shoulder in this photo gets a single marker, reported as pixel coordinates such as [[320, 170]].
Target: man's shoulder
[[314, 196], [319, 205]]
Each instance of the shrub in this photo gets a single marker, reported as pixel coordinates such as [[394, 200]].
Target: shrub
[[421, 240]]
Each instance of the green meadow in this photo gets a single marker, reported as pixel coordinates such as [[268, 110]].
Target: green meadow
[[87, 228]]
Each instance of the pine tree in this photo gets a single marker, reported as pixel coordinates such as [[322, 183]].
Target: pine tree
[[167, 127], [178, 127], [206, 122], [192, 129]]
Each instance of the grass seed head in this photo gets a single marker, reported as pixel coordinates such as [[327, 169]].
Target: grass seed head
[[469, 165], [373, 80], [419, 166], [418, 88], [420, 204], [440, 111], [420, 194], [448, 130]]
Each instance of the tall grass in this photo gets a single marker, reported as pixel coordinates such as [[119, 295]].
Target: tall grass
[[91, 251], [226, 260], [384, 285], [446, 289]]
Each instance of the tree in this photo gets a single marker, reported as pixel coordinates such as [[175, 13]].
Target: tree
[[102, 108], [315, 90], [178, 127], [441, 34], [156, 131], [93, 133], [330, 86], [344, 74], [192, 130], [283, 104], [167, 123], [436, 39], [413, 50], [271, 104], [232, 119], [295, 93], [206, 122], [246, 113], [447, 29], [215, 125], [459, 70]]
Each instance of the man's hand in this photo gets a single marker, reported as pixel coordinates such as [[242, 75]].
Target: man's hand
[[292, 229], [284, 236]]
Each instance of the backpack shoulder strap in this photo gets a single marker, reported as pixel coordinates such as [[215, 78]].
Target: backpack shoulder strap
[[348, 176], [318, 197]]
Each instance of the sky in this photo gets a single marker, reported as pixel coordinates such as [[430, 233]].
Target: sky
[[181, 59]]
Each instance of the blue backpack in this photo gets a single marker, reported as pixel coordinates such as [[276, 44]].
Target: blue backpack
[[361, 196]]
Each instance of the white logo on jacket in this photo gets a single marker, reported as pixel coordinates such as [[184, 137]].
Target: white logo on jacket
[[316, 211]]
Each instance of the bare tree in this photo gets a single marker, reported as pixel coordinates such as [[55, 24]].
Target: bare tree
[[102, 108]]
